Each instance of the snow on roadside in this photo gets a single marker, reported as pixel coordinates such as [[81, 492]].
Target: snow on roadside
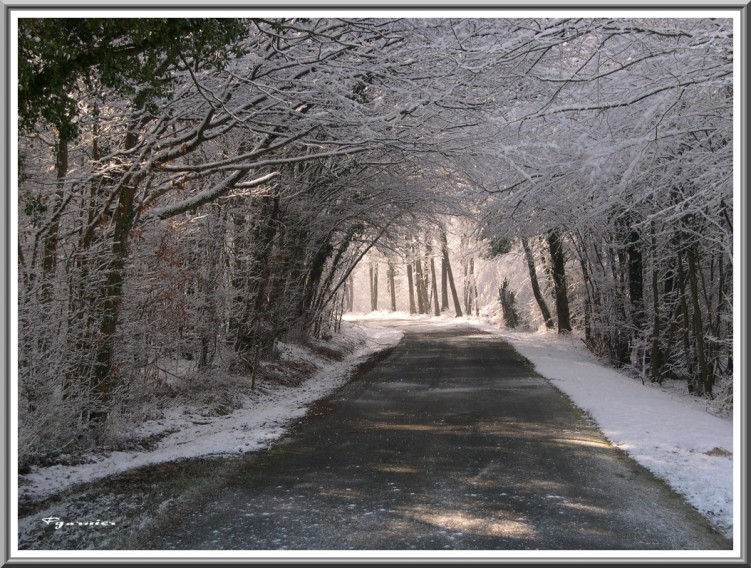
[[671, 434], [264, 418]]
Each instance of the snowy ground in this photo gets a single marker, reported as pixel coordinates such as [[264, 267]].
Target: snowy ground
[[264, 418], [665, 429], [669, 432]]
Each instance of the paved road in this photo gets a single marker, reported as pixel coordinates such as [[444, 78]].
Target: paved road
[[451, 442]]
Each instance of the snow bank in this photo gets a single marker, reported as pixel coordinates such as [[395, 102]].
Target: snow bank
[[670, 433], [263, 419]]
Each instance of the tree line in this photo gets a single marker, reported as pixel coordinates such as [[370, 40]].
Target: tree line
[[201, 189]]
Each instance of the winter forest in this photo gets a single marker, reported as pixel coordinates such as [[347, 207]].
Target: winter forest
[[193, 193]]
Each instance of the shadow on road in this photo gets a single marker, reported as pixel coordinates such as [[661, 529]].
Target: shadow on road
[[450, 442]]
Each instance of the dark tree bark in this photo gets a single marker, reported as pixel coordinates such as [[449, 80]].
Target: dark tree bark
[[104, 381], [422, 289], [584, 264], [539, 298], [467, 289], [444, 285], [655, 352], [705, 377], [470, 288], [373, 286], [255, 333], [411, 285], [392, 285], [474, 286], [450, 275], [49, 258], [558, 263], [335, 263], [685, 316], [508, 304], [635, 278], [433, 280]]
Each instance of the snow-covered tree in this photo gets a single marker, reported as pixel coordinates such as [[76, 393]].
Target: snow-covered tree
[[202, 189]]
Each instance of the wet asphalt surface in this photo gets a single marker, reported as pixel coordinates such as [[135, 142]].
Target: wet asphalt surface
[[451, 442]]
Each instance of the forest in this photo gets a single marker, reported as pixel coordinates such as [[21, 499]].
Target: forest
[[200, 190]]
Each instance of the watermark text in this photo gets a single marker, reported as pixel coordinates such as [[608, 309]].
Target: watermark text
[[58, 523]]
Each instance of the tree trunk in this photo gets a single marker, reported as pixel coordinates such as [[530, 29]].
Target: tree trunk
[[588, 287], [373, 286], [444, 285], [705, 378], [320, 294], [558, 262], [686, 324], [474, 286], [104, 380], [312, 303], [508, 304], [392, 285], [635, 279], [422, 296], [82, 302], [436, 307], [351, 294], [549, 323], [655, 354], [251, 336], [470, 287], [411, 285], [49, 258], [466, 289], [450, 275]]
